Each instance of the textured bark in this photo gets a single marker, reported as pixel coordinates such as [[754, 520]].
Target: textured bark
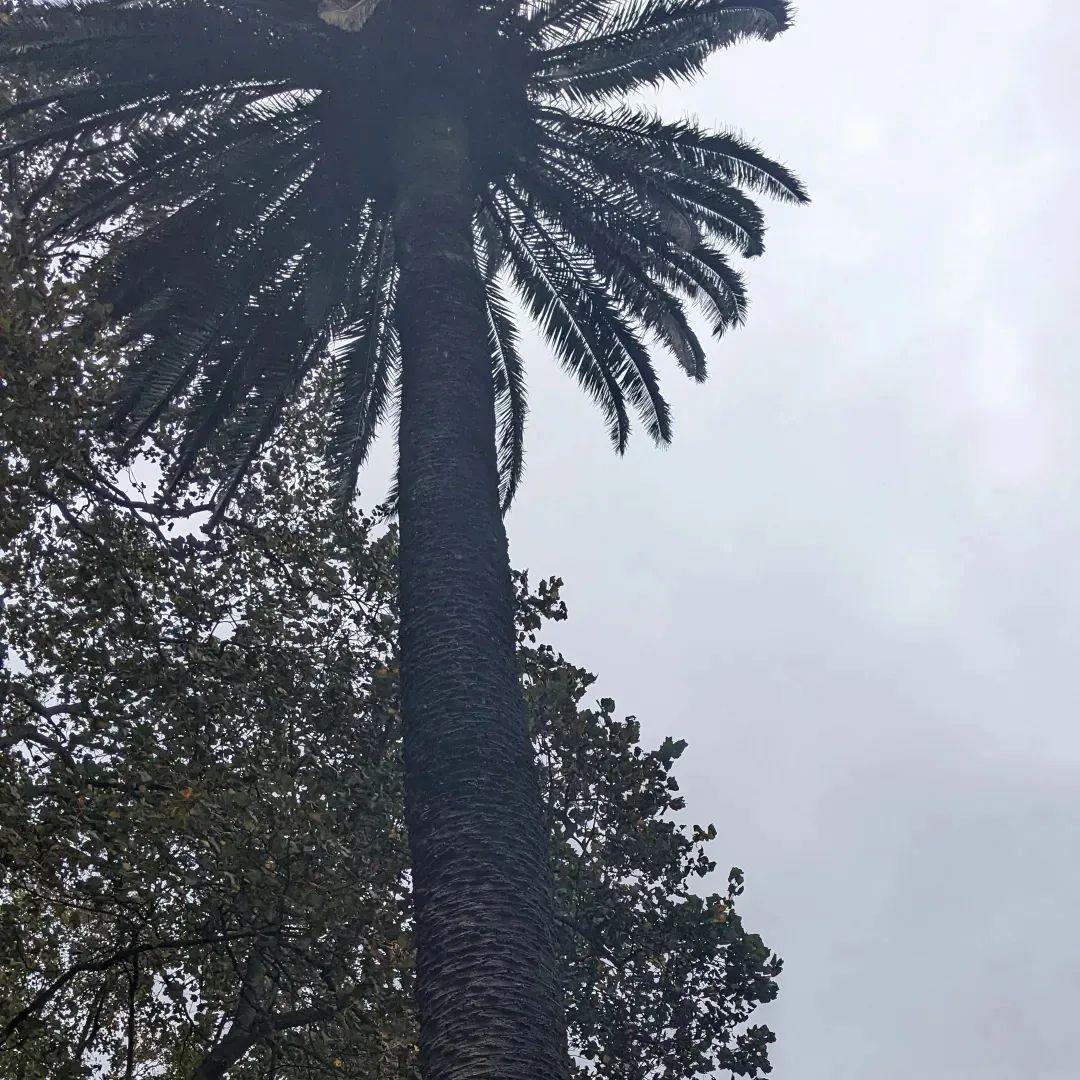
[[486, 975]]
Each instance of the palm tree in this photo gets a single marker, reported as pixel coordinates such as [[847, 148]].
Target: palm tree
[[286, 184]]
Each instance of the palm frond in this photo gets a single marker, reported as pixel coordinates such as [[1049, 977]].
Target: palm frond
[[626, 252], [162, 174], [686, 209], [186, 283], [366, 362], [652, 41], [511, 407], [240, 383], [628, 134], [563, 321], [556, 20], [622, 360], [720, 289], [323, 288]]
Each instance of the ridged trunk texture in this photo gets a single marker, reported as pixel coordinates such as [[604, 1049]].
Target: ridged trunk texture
[[487, 983]]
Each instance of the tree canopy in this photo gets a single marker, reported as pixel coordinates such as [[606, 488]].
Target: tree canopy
[[244, 158], [204, 867]]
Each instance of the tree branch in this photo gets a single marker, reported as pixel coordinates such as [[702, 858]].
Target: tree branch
[[242, 1037], [47, 993]]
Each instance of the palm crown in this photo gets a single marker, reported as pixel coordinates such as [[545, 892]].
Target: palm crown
[[239, 154]]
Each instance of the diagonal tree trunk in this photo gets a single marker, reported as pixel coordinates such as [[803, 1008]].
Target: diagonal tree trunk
[[487, 983]]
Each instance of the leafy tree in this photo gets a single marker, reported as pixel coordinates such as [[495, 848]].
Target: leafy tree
[[202, 840], [201, 797], [278, 176]]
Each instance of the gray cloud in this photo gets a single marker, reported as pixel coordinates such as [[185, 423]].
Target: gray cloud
[[853, 584]]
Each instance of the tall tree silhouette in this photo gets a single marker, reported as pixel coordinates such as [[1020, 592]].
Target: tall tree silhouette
[[285, 183]]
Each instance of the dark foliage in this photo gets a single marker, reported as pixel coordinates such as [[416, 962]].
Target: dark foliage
[[241, 155]]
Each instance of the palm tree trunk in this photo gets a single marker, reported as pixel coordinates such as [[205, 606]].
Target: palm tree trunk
[[487, 984]]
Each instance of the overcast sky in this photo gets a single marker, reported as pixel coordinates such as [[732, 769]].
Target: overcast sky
[[853, 583]]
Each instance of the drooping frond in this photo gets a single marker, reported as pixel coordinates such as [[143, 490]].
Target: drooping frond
[[367, 362], [507, 370], [235, 398], [511, 406], [720, 289], [540, 285], [327, 293], [188, 284], [595, 340], [192, 41], [625, 251]]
